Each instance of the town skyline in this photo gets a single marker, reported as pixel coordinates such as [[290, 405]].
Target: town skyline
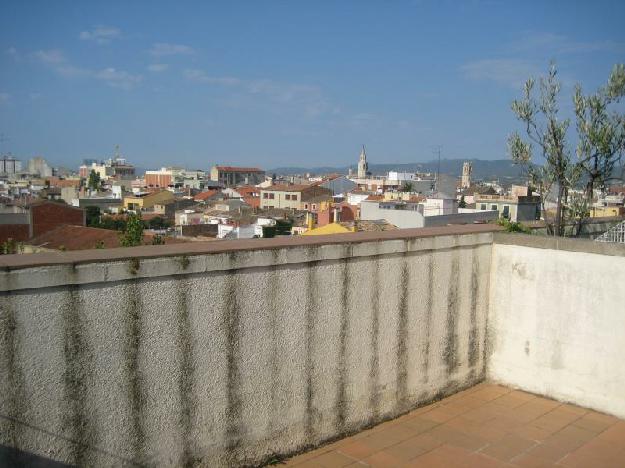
[[219, 84]]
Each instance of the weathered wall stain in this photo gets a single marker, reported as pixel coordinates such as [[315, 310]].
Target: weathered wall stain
[[273, 290], [77, 379], [374, 363], [12, 381], [429, 305], [133, 373], [474, 345], [401, 384], [186, 389], [312, 295], [341, 396], [450, 352], [232, 315]]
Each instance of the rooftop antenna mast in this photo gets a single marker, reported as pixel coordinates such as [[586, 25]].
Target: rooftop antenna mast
[[116, 152], [437, 151]]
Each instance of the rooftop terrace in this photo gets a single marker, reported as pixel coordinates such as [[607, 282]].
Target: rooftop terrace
[[241, 352]]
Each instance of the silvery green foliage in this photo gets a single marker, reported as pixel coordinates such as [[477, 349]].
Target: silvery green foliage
[[601, 130], [545, 135]]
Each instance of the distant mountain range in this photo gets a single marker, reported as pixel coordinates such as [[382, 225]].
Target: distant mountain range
[[482, 169]]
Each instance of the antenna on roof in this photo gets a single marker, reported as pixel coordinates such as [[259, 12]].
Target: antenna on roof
[[437, 150]]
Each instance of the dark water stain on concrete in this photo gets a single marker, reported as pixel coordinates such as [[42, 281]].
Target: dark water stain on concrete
[[312, 294], [188, 399], [374, 363], [77, 378], [273, 289], [134, 376], [429, 305], [450, 351], [234, 403], [341, 390], [474, 345], [401, 383], [13, 394]]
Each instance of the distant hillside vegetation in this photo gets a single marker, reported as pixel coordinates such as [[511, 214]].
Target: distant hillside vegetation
[[482, 169]]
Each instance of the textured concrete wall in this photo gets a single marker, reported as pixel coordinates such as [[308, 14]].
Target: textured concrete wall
[[225, 359], [557, 319]]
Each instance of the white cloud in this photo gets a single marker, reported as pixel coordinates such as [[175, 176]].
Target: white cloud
[[101, 34], [161, 49], [509, 72], [56, 60], [118, 78], [200, 76], [4, 97], [306, 98], [157, 67], [12, 51], [52, 56]]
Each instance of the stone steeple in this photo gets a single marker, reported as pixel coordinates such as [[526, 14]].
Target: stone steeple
[[363, 167]]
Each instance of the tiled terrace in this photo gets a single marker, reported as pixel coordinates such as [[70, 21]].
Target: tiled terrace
[[485, 426]]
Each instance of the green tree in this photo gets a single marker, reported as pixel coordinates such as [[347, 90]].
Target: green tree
[[407, 187], [92, 214], [462, 203], [601, 131], [546, 132], [133, 233], [94, 182]]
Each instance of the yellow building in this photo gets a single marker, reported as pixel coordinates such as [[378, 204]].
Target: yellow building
[[295, 197], [147, 200], [332, 228], [606, 211]]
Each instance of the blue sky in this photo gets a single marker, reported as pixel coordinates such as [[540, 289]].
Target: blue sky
[[273, 83]]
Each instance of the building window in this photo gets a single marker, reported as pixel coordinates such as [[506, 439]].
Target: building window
[[493, 207], [265, 195], [294, 197], [272, 196], [483, 206], [287, 197], [314, 207], [506, 211], [306, 206]]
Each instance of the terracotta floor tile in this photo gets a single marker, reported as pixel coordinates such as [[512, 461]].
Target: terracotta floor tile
[[479, 460], [426, 442], [443, 413], [456, 438], [332, 459], [551, 452], [509, 400], [406, 450], [444, 456], [531, 432], [418, 425], [384, 459], [595, 422], [531, 461], [483, 430], [614, 434], [508, 447], [358, 450]]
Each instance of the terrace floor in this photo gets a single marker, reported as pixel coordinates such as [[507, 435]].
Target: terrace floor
[[485, 426]]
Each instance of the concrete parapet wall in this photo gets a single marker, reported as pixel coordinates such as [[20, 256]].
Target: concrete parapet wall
[[557, 319], [226, 357]]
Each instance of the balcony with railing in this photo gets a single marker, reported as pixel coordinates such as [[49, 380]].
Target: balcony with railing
[[461, 346]]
